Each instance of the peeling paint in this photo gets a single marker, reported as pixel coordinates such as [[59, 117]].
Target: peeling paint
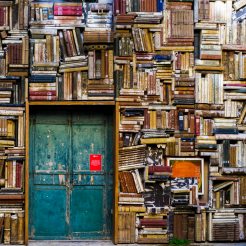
[[61, 179], [92, 147], [92, 180]]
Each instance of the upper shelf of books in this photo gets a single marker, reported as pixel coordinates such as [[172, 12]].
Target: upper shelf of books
[[52, 15]]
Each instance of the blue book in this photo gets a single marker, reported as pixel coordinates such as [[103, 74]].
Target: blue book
[[162, 57], [181, 121], [160, 5]]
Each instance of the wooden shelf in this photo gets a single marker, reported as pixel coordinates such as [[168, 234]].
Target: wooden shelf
[[70, 103]]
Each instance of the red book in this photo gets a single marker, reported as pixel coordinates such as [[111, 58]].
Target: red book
[[149, 222], [197, 126], [116, 7], [43, 98], [68, 12], [19, 167], [153, 169], [123, 7], [42, 93], [66, 8], [210, 57]]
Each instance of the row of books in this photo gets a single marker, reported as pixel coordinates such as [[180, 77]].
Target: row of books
[[12, 227]]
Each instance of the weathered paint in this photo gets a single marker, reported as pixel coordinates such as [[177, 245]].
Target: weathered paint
[[67, 200]]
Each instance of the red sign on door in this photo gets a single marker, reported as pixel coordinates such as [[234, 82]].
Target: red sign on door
[[95, 162]]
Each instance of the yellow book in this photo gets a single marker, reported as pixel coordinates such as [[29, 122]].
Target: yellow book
[[157, 140], [10, 128]]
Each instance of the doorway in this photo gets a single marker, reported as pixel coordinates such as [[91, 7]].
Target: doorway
[[71, 173]]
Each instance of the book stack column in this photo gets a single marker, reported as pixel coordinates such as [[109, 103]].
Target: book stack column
[[98, 40], [179, 84], [223, 57], [14, 64], [143, 82], [58, 64]]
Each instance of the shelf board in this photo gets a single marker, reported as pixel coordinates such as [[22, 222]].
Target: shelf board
[[67, 103]]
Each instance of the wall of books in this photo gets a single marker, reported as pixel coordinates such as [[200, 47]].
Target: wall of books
[[14, 64], [176, 72], [180, 94]]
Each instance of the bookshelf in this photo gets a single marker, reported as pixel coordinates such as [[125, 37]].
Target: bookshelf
[[179, 92], [14, 64], [173, 70]]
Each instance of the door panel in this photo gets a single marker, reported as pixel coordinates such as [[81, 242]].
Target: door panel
[[87, 195], [50, 213], [73, 200], [88, 209], [48, 174]]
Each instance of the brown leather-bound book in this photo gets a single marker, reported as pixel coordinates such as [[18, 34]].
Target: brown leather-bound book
[[7, 228], [1, 227], [20, 228], [13, 228]]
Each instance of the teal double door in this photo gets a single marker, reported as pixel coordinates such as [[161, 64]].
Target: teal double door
[[70, 177]]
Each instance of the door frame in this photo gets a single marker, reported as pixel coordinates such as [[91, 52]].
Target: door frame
[[108, 105]]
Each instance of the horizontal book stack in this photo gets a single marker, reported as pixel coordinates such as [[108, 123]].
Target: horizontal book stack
[[46, 17], [152, 228], [42, 87], [11, 91], [225, 226], [132, 119], [132, 157], [137, 6], [99, 24], [206, 143], [159, 173]]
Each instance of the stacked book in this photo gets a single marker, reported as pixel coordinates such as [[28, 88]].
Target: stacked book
[[12, 226], [131, 199], [42, 87], [132, 157], [47, 16], [152, 228], [131, 181], [206, 143], [178, 24], [225, 126], [132, 119], [15, 45], [158, 173], [99, 23], [209, 88], [225, 226]]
